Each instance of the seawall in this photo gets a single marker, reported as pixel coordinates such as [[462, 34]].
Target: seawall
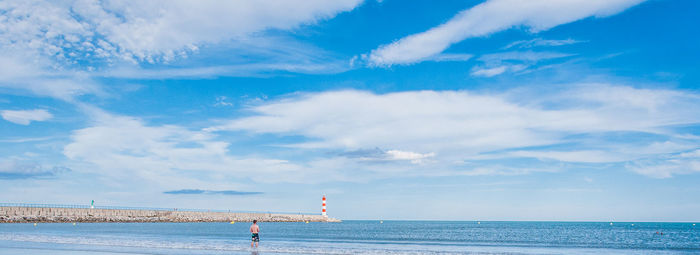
[[18, 214]]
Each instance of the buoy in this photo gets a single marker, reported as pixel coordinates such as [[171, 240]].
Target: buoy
[[35, 224], [693, 224], [233, 222], [478, 222], [381, 222], [307, 222], [632, 224], [73, 223], [611, 224]]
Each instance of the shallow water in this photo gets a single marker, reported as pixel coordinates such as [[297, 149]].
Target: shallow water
[[352, 237]]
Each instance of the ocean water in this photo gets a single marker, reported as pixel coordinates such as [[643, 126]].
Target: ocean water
[[353, 237]]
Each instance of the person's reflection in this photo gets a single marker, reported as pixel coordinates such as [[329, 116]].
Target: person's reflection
[[254, 253]]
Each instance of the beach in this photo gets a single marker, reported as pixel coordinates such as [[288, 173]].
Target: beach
[[353, 237]]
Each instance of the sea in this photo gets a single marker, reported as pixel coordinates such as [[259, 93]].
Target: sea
[[353, 237]]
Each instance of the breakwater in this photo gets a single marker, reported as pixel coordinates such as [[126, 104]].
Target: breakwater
[[19, 214]]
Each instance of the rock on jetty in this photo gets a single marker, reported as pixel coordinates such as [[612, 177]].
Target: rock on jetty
[[18, 214]]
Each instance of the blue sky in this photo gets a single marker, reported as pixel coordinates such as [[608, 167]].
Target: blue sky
[[452, 110]]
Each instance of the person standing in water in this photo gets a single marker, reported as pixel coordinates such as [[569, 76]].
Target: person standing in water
[[255, 230]]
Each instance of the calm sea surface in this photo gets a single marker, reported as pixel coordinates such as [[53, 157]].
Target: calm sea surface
[[353, 237]]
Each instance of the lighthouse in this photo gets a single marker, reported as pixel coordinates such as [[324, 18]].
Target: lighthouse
[[323, 212]]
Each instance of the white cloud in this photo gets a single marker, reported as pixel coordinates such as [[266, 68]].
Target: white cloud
[[57, 48], [148, 31], [489, 17], [24, 117], [459, 125], [414, 157], [254, 55], [379, 155], [356, 119], [124, 150]]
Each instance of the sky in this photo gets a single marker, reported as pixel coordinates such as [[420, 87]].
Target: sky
[[581, 110]]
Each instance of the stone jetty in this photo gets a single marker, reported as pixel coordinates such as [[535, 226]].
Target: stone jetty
[[18, 214]]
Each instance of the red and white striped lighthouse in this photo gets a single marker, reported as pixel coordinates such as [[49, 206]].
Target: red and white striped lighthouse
[[323, 212]]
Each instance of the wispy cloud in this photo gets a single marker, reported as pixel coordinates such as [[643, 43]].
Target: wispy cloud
[[583, 156], [445, 57], [511, 62], [239, 70], [222, 101], [450, 126], [525, 56], [27, 139], [539, 42], [665, 166], [500, 170], [489, 17], [24, 117], [127, 148], [493, 71], [63, 49], [12, 169], [39, 75], [147, 31], [211, 192]]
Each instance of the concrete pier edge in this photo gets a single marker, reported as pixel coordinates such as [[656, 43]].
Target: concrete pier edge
[[17, 214]]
